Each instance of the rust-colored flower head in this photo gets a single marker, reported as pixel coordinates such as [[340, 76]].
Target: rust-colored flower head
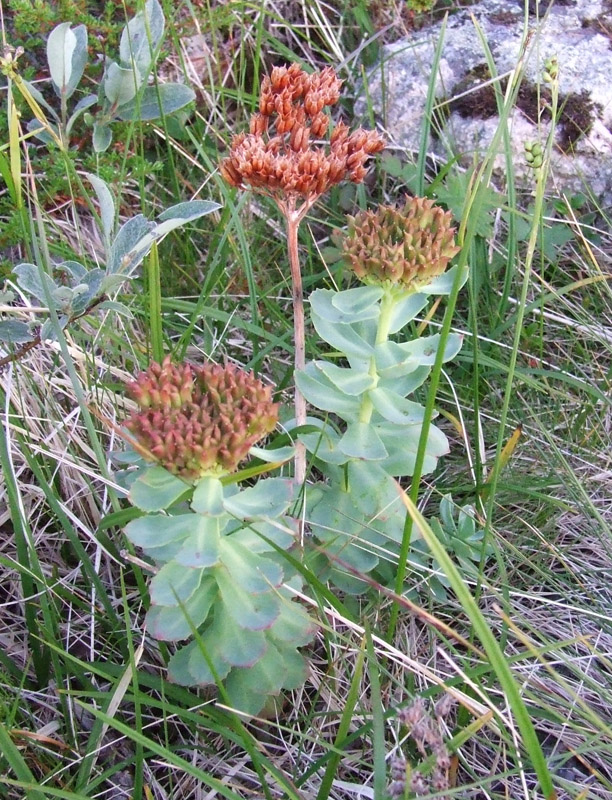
[[406, 246], [200, 421], [278, 157]]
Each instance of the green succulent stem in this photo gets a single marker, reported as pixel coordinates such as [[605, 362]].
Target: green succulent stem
[[387, 304]]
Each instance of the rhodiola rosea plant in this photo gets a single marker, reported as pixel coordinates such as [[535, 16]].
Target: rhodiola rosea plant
[[401, 255], [278, 158], [373, 433], [219, 580]]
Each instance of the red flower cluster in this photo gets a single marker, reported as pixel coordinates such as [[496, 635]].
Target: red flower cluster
[[277, 157], [199, 421]]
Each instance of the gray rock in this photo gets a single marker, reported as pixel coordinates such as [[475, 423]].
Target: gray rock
[[577, 32]]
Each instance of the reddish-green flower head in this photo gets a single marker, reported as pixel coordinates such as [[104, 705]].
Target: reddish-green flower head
[[200, 420], [406, 247]]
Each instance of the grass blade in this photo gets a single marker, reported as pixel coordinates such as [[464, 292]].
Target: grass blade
[[493, 650]]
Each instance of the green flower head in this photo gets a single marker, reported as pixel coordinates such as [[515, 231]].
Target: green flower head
[[404, 247]]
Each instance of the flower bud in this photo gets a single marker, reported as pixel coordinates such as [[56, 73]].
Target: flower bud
[[200, 420], [406, 246]]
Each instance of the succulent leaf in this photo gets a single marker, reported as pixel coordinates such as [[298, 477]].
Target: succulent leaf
[[156, 489], [238, 646], [157, 530], [173, 623], [208, 497], [293, 627], [268, 498], [362, 441], [174, 584], [254, 613], [350, 381], [322, 393], [253, 573], [395, 408], [202, 548]]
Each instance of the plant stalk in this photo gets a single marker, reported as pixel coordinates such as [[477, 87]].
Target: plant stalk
[[387, 305], [293, 218]]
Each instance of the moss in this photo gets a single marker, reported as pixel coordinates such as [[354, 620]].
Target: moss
[[577, 110], [479, 102], [577, 114], [504, 17]]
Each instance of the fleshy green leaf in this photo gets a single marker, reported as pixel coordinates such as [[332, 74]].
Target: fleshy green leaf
[[174, 584], [394, 360], [251, 536], [362, 441], [296, 668], [405, 310], [293, 625], [199, 666], [188, 666], [173, 623], [354, 303], [202, 547], [324, 445], [266, 677], [254, 573], [238, 646], [370, 488], [402, 443], [406, 384], [272, 456], [350, 381], [255, 613], [243, 700], [394, 408], [208, 497], [322, 393], [342, 336], [336, 521], [268, 498], [157, 530], [443, 283], [157, 489]]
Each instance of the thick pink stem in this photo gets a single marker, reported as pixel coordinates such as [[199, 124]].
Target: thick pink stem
[[293, 220]]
